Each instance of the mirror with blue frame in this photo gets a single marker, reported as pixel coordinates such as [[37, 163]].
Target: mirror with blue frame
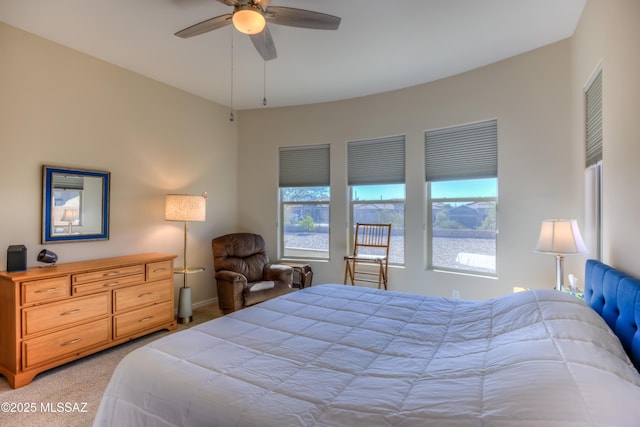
[[75, 204]]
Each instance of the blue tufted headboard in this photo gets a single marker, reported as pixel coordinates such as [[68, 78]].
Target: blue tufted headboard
[[616, 297]]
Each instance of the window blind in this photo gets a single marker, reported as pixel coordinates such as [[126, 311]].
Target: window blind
[[593, 106], [462, 152], [67, 182], [376, 161], [306, 166]]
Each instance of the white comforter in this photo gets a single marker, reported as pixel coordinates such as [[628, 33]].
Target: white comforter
[[335, 355]]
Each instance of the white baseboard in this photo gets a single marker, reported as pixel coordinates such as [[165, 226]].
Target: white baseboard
[[206, 302], [199, 304]]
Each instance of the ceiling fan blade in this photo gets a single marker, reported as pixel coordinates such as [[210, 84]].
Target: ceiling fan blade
[[264, 44], [301, 18], [262, 3], [229, 2], [205, 26]]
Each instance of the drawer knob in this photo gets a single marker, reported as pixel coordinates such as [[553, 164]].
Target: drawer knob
[[77, 310], [77, 340], [42, 291], [111, 273], [107, 285], [145, 319], [145, 294], [159, 270]]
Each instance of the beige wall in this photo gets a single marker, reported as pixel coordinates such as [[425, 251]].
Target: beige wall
[[608, 36], [538, 99], [539, 168], [60, 107], [64, 108]]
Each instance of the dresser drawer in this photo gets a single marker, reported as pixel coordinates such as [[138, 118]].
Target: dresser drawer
[[58, 344], [107, 274], [139, 320], [138, 296], [160, 270], [45, 289], [57, 314], [106, 284]]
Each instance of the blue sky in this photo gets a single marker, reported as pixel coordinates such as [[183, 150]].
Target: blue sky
[[465, 188], [449, 189]]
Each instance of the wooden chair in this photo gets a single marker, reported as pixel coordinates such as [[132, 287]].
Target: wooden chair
[[370, 247]]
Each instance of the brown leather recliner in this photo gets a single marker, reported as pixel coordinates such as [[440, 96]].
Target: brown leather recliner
[[244, 275]]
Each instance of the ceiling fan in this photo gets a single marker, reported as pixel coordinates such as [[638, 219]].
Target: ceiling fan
[[250, 17]]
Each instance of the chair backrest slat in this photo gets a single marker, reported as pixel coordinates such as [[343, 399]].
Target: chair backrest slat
[[372, 236]]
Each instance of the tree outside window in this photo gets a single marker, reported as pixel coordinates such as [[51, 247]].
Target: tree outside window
[[305, 222]]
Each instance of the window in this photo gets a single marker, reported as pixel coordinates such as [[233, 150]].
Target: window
[[381, 204], [67, 192], [376, 176], [304, 202], [462, 187], [593, 172]]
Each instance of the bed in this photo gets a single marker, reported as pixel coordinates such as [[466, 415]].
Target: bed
[[336, 355]]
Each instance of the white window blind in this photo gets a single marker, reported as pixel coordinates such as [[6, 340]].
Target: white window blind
[[376, 161], [306, 166], [462, 152], [593, 103], [67, 182]]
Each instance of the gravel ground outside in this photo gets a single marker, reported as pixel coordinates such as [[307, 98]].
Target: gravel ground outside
[[451, 252]]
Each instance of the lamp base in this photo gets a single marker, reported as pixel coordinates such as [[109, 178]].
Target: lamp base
[[185, 320], [559, 272], [185, 313]]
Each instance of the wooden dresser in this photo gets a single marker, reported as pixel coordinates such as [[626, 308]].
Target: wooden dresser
[[56, 314]]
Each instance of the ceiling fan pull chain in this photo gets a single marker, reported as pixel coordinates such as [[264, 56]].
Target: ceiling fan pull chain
[[250, 17], [231, 118], [264, 85]]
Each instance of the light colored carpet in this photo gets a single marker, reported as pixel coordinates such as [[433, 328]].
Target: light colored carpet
[[68, 396]]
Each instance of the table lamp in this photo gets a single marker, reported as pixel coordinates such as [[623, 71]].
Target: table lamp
[[183, 207], [70, 215], [559, 237]]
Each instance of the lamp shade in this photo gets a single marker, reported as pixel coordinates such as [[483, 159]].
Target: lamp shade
[[183, 207], [69, 214], [560, 236]]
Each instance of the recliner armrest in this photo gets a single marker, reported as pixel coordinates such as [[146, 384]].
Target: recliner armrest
[[230, 287], [231, 276], [279, 272]]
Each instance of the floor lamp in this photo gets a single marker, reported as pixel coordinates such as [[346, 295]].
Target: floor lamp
[[183, 207], [70, 215], [559, 237]]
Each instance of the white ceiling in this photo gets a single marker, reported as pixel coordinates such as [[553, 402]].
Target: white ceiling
[[380, 45]]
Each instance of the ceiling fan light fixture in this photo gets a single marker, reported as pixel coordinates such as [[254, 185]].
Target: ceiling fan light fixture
[[249, 20]]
